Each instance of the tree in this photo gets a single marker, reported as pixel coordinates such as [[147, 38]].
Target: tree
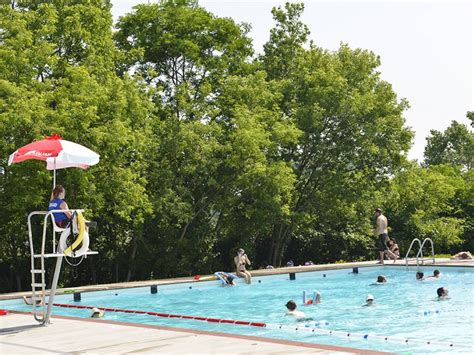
[[205, 148], [184, 54], [422, 204], [353, 137], [453, 146], [183, 51], [286, 41], [58, 75]]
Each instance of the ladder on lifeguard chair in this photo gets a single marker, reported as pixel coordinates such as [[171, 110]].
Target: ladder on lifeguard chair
[[420, 252], [42, 309]]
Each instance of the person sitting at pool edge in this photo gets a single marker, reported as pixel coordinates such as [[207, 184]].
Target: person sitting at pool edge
[[442, 293], [420, 276], [241, 260], [462, 255], [393, 252], [436, 275], [291, 310]]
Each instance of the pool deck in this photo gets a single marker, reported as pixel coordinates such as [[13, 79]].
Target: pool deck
[[19, 333]]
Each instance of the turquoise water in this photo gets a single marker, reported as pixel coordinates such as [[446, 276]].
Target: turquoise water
[[405, 308]]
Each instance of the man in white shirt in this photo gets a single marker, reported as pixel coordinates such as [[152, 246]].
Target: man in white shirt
[[381, 231]]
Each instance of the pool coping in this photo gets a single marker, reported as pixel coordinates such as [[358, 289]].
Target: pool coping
[[255, 273], [331, 348]]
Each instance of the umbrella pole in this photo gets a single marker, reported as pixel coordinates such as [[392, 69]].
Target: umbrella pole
[[54, 174]]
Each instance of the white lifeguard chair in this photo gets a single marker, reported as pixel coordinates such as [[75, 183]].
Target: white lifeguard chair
[[42, 313]]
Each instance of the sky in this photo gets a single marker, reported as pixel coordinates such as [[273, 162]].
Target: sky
[[426, 47]]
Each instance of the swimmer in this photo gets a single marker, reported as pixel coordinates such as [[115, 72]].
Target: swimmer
[[29, 301], [318, 298], [229, 280], [420, 276], [97, 313], [291, 310], [381, 280], [436, 275], [369, 301], [442, 293]]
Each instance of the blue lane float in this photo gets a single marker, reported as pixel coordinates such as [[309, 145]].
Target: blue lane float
[[317, 324], [367, 337]]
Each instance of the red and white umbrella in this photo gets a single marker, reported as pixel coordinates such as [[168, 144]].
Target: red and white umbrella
[[58, 154]]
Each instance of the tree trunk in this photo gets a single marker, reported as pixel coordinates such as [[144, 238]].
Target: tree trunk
[[116, 272], [278, 244], [272, 245], [131, 268], [284, 241], [183, 233], [15, 264], [18, 282]]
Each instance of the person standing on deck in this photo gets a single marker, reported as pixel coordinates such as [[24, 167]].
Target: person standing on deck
[[381, 232]]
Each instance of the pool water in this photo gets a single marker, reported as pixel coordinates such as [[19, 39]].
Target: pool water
[[404, 308]]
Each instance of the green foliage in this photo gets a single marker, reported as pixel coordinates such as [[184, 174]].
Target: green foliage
[[182, 50], [353, 135], [205, 148], [286, 41], [57, 74], [453, 146], [422, 204]]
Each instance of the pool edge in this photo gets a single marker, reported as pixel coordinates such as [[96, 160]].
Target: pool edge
[[220, 334]]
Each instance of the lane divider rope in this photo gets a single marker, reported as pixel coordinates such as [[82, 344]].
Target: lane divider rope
[[305, 328], [422, 312], [365, 336], [167, 315]]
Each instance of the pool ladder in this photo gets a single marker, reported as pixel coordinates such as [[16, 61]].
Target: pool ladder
[[419, 256]]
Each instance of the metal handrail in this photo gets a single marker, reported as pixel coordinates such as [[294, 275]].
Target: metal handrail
[[409, 249], [421, 250]]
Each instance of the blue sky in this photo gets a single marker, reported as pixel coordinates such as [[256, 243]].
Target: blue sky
[[426, 47]]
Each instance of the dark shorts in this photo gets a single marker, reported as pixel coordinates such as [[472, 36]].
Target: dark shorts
[[63, 224], [383, 239]]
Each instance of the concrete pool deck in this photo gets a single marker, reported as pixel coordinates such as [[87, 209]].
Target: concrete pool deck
[[19, 333]]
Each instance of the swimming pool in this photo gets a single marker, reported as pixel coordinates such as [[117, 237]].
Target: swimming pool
[[405, 309]]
